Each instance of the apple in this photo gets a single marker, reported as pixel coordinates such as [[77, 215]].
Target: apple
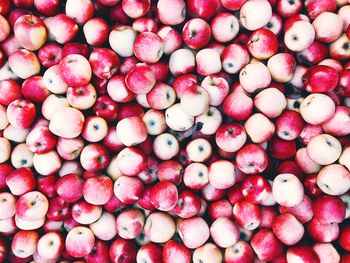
[[207, 253], [24, 243], [32, 206], [20, 181], [299, 35], [129, 223], [326, 252], [251, 159], [189, 234], [259, 71], [98, 190], [79, 241], [8, 205], [122, 249], [262, 44], [128, 189], [159, 227], [323, 204], [171, 38], [85, 213], [303, 253], [174, 16], [24, 63], [75, 70], [50, 245], [56, 32], [149, 252], [247, 215], [224, 232], [255, 14], [240, 252], [208, 62], [281, 190], [21, 156], [28, 26], [281, 228], [266, 245]]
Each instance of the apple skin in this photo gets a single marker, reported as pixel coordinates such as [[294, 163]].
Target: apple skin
[[344, 239], [315, 8], [129, 223], [35, 26], [326, 77], [122, 249], [149, 252], [164, 196], [323, 232], [188, 232], [67, 115], [34, 89], [173, 249], [135, 9], [159, 227], [266, 245], [251, 18], [280, 192], [21, 181], [152, 43], [75, 70], [75, 48], [99, 253], [303, 253], [104, 63], [172, 17], [140, 79], [24, 243], [32, 206], [209, 252], [201, 31], [255, 189], [98, 190], [280, 229], [188, 204], [303, 212], [79, 242], [329, 209], [247, 215], [123, 186], [171, 38], [240, 252], [50, 245], [251, 159], [220, 228], [10, 91]]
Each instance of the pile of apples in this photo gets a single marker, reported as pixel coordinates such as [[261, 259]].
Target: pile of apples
[[175, 131]]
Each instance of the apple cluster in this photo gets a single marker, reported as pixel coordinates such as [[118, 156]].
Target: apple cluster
[[173, 131]]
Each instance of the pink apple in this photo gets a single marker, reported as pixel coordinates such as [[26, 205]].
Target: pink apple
[[240, 252], [32, 206], [266, 245], [122, 250], [28, 26], [58, 32], [128, 189], [129, 223], [24, 243], [75, 70], [194, 232], [67, 115], [24, 63], [79, 241], [159, 227]]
